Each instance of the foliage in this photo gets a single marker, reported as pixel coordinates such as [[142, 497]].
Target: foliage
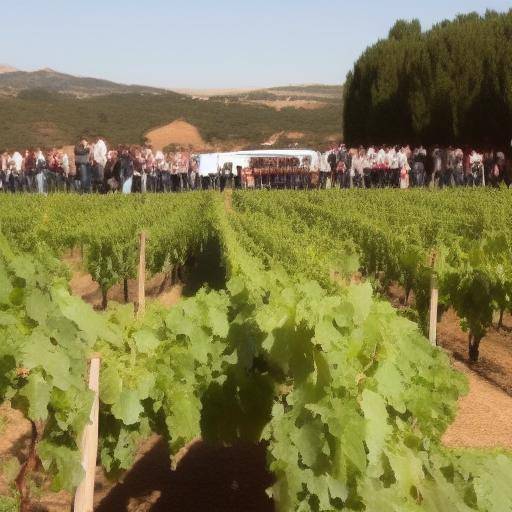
[[349, 396], [126, 118], [361, 399], [450, 84], [107, 230], [319, 234], [153, 371]]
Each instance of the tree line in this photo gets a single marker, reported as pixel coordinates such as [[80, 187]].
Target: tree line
[[451, 84]]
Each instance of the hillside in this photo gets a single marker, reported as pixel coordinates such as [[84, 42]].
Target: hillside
[[46, 118], [4, 68], [47, 108], [13, 82], [308, 97]]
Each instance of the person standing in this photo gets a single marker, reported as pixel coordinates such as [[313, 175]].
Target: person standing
[[437, 168], [40, 161], [332, 161], [499, 170], [489, 161], [82, 151], [450, 167], [419, 164], [16, 172], [29, 168], [477, 168], [64, 167], [458, 167], [99, 155], [357, 168], [222, 179]]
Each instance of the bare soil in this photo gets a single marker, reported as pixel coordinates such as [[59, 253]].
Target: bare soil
[[4, 68], [207, 478], [495, 361], [295, 135], [484, 419], [82, 285], [485, 414], [287, 135], [179, 133], [279, 104], [208, 93]]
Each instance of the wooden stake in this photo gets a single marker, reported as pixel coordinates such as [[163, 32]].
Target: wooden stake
[[434, 298], [141, 295], [84, 496]]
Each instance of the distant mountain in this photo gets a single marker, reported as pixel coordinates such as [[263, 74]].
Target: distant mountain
[[4, 68], [13, 82], [294, 92]]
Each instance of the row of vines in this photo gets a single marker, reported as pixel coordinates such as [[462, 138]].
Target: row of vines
[[105, 230], [461, 238], [349, 397]]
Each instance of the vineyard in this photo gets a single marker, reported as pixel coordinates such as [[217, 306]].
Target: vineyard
[[297, 350]]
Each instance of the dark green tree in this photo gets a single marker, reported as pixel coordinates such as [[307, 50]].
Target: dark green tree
[[449, 85]]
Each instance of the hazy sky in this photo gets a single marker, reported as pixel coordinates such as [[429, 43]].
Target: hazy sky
[[204, 44]]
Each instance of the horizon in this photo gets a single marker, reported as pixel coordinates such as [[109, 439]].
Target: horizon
[[14, 69], [204, 47]]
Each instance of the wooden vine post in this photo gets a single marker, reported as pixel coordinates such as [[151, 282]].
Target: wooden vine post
[[141, 293], [434, 299], [84, 496]]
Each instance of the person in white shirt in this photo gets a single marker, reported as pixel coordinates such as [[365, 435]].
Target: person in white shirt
[[392, 158], [381, 157], [40, 171], [476, 161], [403, 161], [403, 165], [371, 154], [357, 168], [17, 161], [64, 162], [395, 166], [99, 157]]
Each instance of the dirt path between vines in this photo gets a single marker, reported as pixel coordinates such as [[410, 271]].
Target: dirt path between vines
[[484, 419], [207, 479], [495, 361]]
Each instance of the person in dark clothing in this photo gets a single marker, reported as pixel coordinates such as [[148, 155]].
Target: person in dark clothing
[[418, 167], [222, 179], [82, 153], [331, 160], [489, 163], [449, 167]]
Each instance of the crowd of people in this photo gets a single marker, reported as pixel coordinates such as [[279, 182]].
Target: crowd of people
[[93, 167], [404, 167]]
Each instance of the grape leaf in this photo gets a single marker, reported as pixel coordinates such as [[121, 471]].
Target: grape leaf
[[37, 393], [128, 407]]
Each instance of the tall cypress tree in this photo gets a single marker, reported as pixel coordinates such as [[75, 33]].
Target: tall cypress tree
[[449, 85]]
